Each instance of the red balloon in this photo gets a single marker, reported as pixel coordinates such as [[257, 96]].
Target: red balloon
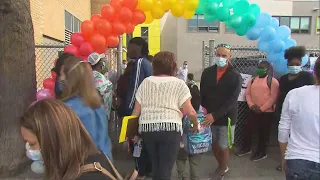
[[104, 27], [131, 4], [48, 83], [108, 12], [118, 28], [72, 49], [77, 39], [129, 28], [125, 15], [83, 58], [86, 49], [113, 41], [138, 17], [96, 17], [116, 4], [53, 75], [87, 29], [98, 43]]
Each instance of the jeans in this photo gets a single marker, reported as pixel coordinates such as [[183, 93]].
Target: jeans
[[298, 169], [260, 123], [163, 150], [194, 163]]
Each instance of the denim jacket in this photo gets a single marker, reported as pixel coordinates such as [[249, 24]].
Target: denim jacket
[[95, 122]]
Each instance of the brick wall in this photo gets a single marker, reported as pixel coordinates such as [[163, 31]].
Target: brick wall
[[36, 7], [96, 5]]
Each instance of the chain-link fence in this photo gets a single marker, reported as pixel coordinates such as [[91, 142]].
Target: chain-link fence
[[245, 60]]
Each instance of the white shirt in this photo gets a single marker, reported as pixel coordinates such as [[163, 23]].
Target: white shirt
[[182, 74], [161, 99], [299, 124]]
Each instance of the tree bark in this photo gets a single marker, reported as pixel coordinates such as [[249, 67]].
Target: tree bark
[[17, 81]]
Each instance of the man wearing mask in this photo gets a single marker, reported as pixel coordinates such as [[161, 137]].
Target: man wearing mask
[[183, 71], [124, 65], [261, 96], [220, 87]]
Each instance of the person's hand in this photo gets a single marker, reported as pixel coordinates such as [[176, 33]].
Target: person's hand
[[135, 139], [283, 164], [258, 110], [253, 107], [194, 128], [208, 120]]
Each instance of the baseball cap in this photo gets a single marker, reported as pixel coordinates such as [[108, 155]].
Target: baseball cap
[[94, 58]]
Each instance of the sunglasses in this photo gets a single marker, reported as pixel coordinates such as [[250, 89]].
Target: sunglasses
[[224, 46]]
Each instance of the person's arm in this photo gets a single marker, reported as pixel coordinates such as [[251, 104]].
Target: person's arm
[[248, 95], [228, 100], [274, 95], [189, 111], [202, 90], [284, 125], [137, 106]]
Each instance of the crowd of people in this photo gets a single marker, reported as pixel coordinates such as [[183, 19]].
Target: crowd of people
[[70, 134]]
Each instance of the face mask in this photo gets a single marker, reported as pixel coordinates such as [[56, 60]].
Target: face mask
[[221, 62], [260, 72], [294, 69], [124, 66], [185, 66], [61, 85], [34, 155]]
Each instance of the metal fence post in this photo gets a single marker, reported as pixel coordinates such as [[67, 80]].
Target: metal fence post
[[211, 52], [119, 57], [203, 56]]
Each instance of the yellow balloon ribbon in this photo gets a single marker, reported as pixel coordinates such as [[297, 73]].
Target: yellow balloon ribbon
[[188, 14], [149, 18]]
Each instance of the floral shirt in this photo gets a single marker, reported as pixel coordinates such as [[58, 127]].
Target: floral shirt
[[104, 87]]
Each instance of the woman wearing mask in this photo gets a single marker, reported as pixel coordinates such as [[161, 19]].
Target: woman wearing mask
[[80, 94], [55, 133], [299, 132], [294, 79], [158, 102]]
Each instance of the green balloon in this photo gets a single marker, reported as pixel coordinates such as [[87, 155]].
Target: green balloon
[[242, 30], [235, 21], [254, 9], [241, 7], [249, 19], [228, 24], [209, 18], [228, 3], [211, 8], [200, 9], [223, 14]]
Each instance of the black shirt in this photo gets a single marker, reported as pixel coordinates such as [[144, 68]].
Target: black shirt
[[286, 85], [220, 98]]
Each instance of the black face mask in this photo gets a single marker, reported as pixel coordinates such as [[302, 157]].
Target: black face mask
[[59, 87]]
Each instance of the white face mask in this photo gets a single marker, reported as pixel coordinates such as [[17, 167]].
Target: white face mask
[[185, 66], [221, 62], [34, 155]]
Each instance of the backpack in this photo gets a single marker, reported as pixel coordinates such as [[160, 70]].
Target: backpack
[[269, 81]]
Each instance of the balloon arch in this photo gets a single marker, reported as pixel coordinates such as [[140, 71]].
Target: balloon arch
[[121, 16]]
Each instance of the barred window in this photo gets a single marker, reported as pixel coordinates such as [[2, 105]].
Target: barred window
[[198, 24], [297, 24]]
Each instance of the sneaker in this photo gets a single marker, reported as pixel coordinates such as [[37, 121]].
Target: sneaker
[[217, 176], [243, 152], [259, 157]]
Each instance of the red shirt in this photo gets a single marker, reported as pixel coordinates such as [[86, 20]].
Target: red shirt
[[220, 72]]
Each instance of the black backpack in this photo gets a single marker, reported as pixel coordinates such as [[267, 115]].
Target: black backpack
[[269, 81]]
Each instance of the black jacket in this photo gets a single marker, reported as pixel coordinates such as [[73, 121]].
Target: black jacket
[[221, 98]]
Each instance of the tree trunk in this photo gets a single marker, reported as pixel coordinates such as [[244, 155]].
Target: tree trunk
[[17, 81]]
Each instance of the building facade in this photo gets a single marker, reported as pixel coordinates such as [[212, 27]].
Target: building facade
[[185, 37]]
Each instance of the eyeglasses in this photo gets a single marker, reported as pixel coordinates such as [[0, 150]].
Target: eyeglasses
[[224, 46]]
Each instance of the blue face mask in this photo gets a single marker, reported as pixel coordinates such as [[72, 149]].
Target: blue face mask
[[221, 62], [34, 155], [294, 69]]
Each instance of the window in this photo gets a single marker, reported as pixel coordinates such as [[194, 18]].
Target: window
[[145, 33], [228, 29], [297, 24], [71, 23], [198, 24], [318, 25]]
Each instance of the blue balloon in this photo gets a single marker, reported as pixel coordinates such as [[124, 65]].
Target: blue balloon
[[263, 46], [268, 34], [276, 46], [281, 66], [283, 32], [290, 43], [305, 60], [272, 58], [253, 33], [263, 20], [274, 23]]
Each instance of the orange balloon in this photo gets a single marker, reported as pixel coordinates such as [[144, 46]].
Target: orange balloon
[[138, 17], [118, 28], [99, 43], [129, 28], [108, 12], [96, 17], [131, 4], [104, 27], [125, 15], [116, 4], [113, 41], [87, 29]]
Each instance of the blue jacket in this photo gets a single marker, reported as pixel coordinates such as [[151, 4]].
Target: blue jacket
[[95, 122], [142, 69]]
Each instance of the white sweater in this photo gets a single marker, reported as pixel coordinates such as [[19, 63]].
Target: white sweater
[[299, 124], [161, 99]]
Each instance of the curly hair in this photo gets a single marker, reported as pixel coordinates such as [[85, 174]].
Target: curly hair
[[164, 63], [296, 52]]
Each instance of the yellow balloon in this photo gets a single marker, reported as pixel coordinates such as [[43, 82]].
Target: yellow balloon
[[188, 14], [168, 4], [145, 5], [178, 9], [149, 18], [191, 5], [157, 12]]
